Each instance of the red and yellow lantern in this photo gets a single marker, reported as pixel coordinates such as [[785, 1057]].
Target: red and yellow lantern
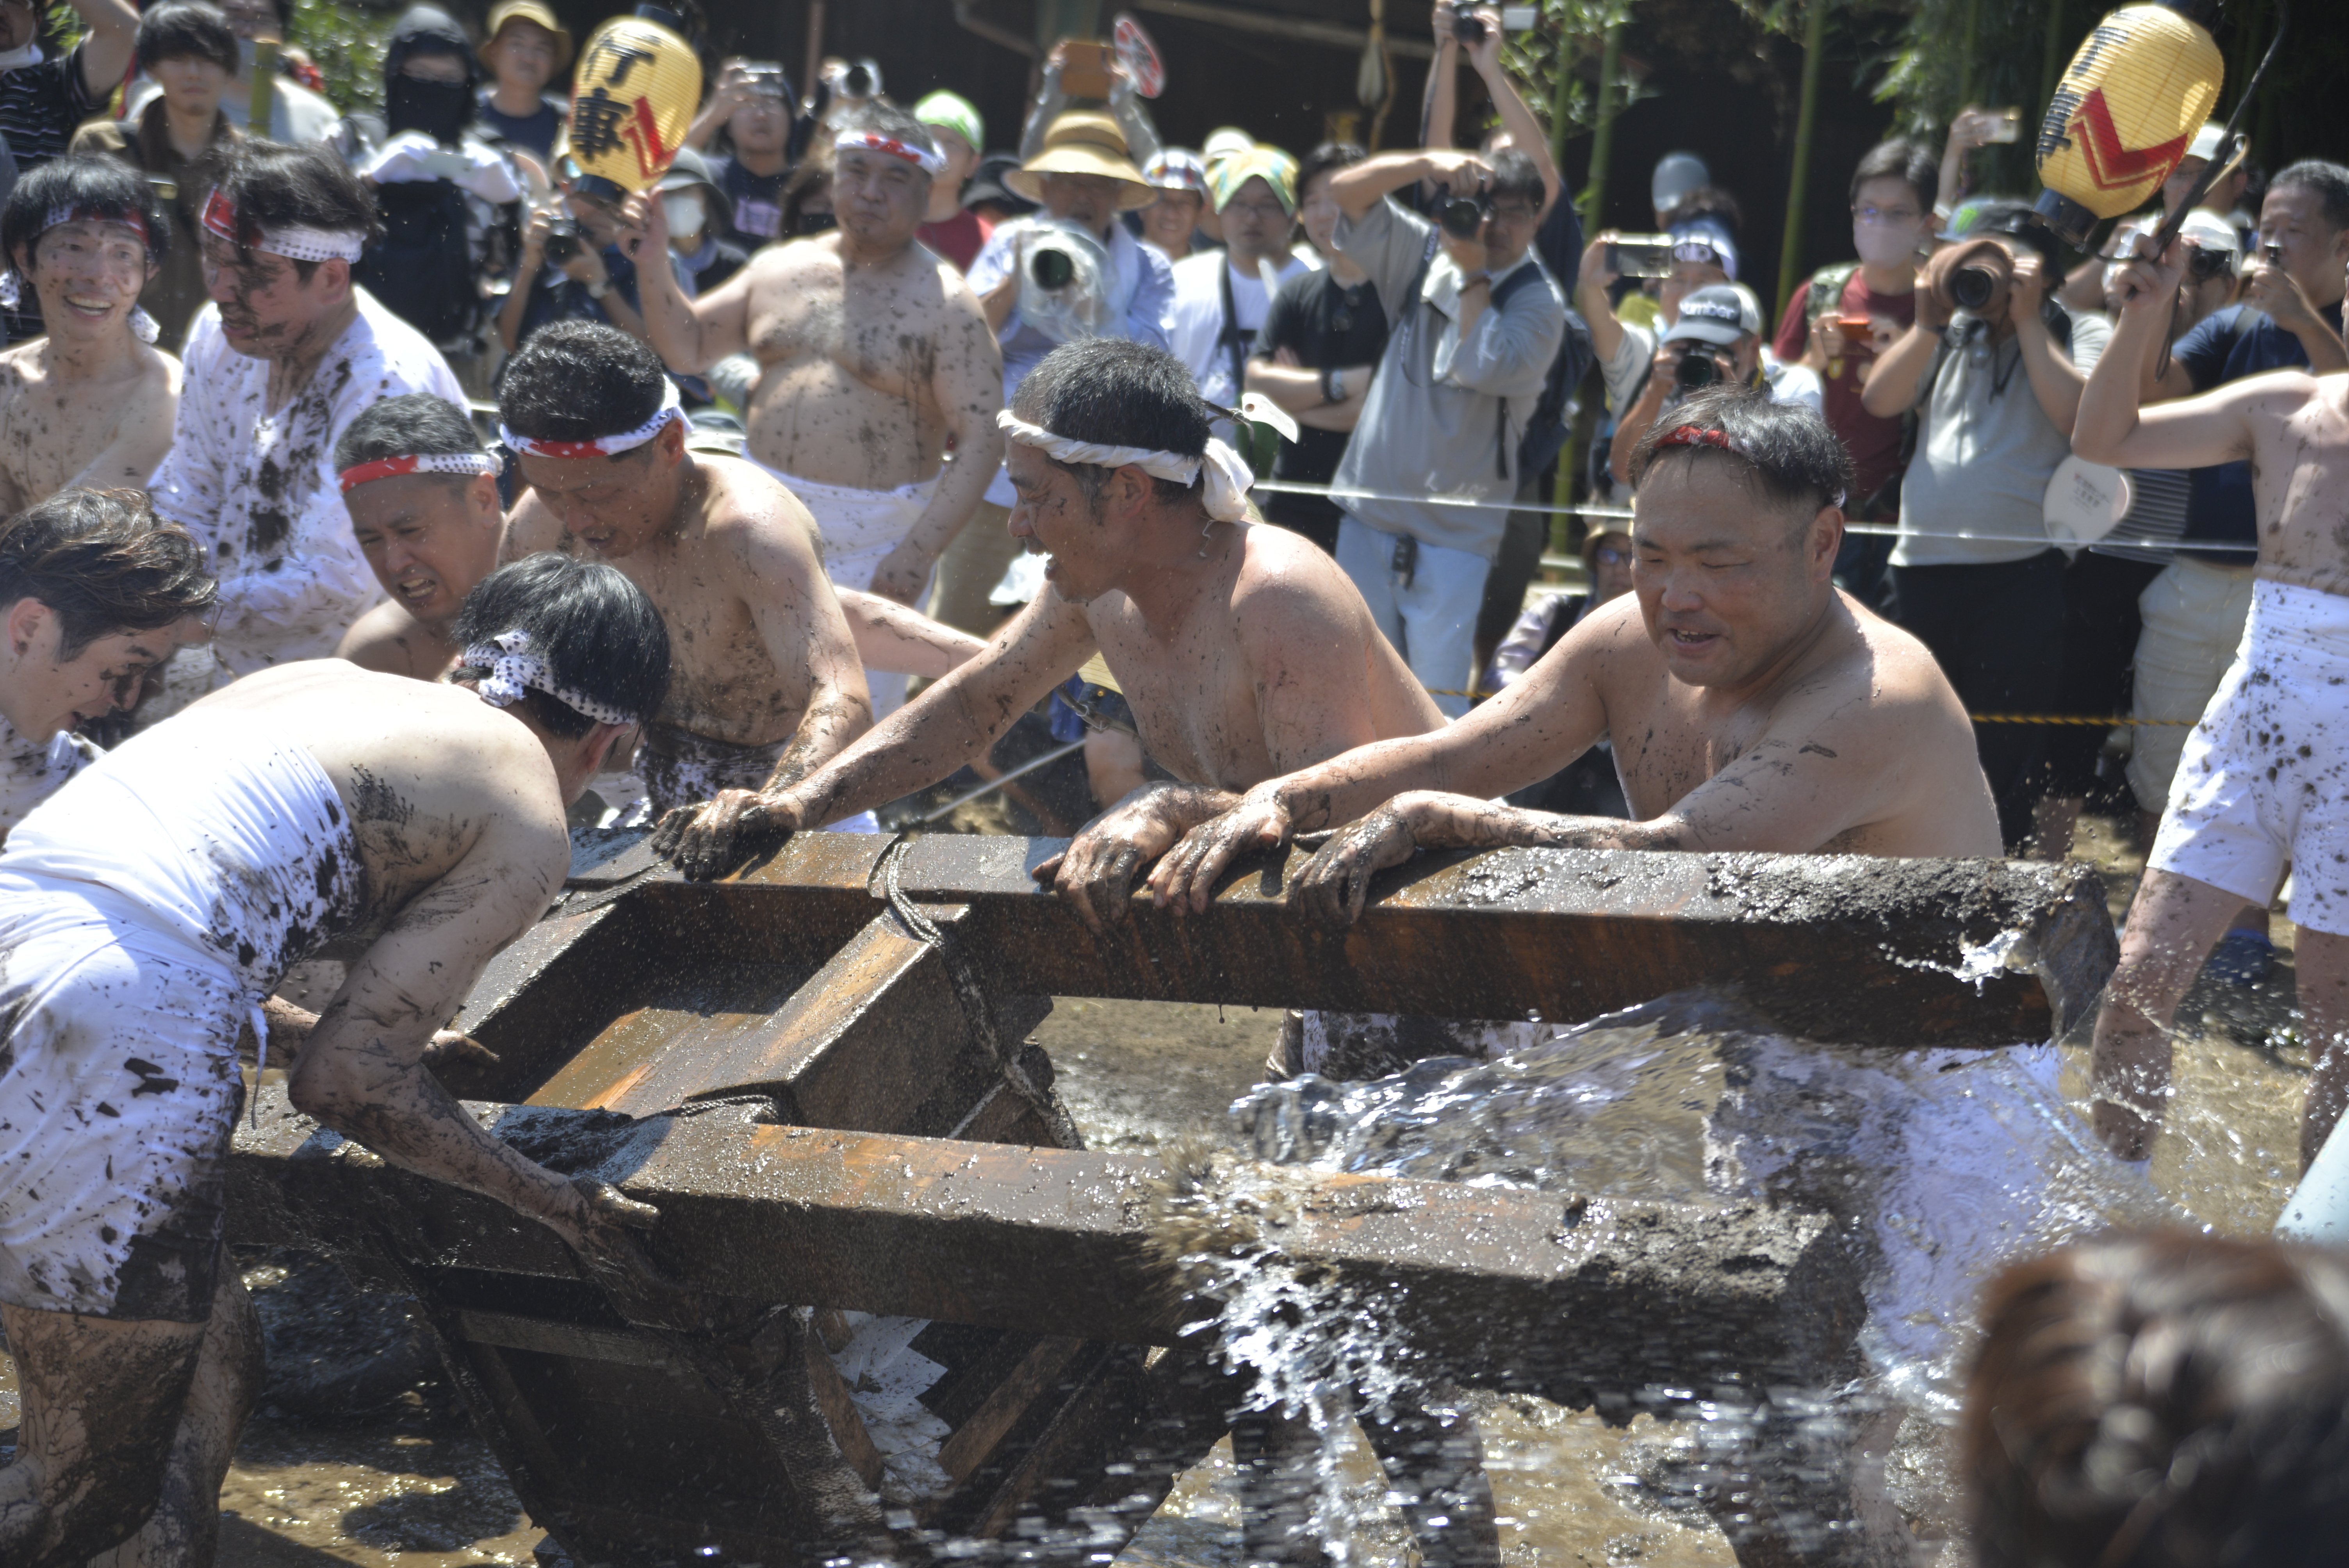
[[2127, 107], [632, 101]]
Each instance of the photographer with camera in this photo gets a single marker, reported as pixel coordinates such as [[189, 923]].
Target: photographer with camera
[[1993, 367], [575, 266], [1475, 322], [751, 112], [1714, 339]]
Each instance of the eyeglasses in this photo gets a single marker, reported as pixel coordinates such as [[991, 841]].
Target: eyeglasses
[[1873, 215], [1609, 555]]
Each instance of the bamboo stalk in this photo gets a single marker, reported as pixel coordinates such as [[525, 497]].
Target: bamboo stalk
[[1790, 250]]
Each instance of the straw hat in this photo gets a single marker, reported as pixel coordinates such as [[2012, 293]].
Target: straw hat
[[1083, 141], [529, 11]]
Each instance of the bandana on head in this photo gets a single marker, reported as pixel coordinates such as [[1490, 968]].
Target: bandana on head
[[293, 243], [929, 164], [60, 215], [420, 463], [671, 408], [1269, 164], [514, 669], [1699, 435], [1227, 475]]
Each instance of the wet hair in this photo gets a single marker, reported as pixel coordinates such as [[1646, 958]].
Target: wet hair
[[1786, 449], [1901, 160], [274, 186], [414, 424], [2328, 181], [1515, 174], [105, 563], [598, 633], [887, 119], [2169, 1400], [80, 181], [186, 30], [1327, 158], [579, 380], [1115, 393]]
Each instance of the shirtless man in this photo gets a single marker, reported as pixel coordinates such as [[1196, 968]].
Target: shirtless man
[[423, 498], [94, 593], [873, 351], [1242, 649], [2260, 785], [149, 907], [767, 685], [1752, 706], [89, 404]]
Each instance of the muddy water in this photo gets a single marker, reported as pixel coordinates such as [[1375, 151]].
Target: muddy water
[[409, 1489]]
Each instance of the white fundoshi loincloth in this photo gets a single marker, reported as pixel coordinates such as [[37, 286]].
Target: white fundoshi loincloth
[[681, 768], [856, 530]]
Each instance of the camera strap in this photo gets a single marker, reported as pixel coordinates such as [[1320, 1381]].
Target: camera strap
[[1236, 343]]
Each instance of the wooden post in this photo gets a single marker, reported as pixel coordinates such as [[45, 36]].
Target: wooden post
[[1790, 249], [815, 50]]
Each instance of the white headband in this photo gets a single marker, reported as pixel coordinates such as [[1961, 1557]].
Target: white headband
[[671, 408], [512, 667], [1226, 474], [929, 164], [293, 243]]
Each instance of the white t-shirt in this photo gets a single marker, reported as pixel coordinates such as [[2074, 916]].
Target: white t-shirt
[[1198, 334], [258, 487]]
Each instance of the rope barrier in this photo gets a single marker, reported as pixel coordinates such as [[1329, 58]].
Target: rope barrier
[[2074, 719]]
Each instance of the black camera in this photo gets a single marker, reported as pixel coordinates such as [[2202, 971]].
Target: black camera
[[1463, 217], [1701, 365], [861, 81], [562, 241], [1977, 288], [1466, 25], [2202, 265]]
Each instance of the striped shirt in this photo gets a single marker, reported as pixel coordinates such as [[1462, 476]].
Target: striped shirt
[[40, 107]]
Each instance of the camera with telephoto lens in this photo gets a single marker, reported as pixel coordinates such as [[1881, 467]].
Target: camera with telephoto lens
[[1051, 267], [562, 241], [1463, 217], [1703, 365], [1977, 288]]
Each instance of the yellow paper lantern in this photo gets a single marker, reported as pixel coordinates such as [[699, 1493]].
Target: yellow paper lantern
[[632, 101], [2124, 115]]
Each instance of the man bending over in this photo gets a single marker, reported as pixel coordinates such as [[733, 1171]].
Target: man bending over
[[2259, 787], [1751, 704], [423, 500], [1242, 649], [873, 355], [90, 403], [150, 907], [768, 687]]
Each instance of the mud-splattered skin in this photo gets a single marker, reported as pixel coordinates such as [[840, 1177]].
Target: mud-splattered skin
[[759, 649], [1251, 659], [88, 404], [874, 353], [1751, 706]]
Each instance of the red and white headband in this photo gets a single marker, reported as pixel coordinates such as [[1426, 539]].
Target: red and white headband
[[671, 408], [420, 463], [131, 221], [1705, 436], [929, 164], [293, 243]]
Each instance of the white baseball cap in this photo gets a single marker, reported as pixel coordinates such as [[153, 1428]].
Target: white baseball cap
[[1718, 314]]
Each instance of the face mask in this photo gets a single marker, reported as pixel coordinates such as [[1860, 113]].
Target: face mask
[[1885, 244], [436, 108], [686, 213]]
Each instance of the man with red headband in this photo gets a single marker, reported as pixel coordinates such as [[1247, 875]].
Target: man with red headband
[[1751, 705], [873, 356], [89, 404], [289, 352]]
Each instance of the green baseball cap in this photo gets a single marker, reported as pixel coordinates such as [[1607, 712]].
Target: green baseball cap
[[952, 111]]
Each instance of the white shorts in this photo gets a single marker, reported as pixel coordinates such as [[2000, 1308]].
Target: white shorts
[[2263, 786], [118, 1089]]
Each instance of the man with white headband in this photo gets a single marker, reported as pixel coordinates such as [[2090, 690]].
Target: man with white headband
[[1242, 650], [88, 404], [874, 354], [150, 907], [1752, 706], [768, 686], [289, 352]]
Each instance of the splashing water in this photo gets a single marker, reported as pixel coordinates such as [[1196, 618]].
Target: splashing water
[[1940, 1164]]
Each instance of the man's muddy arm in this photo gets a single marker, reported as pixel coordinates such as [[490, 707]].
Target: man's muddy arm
[[800, 619], [969, 387], [2191, 432], [896, 640], [690, 335], [363, 1072]]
